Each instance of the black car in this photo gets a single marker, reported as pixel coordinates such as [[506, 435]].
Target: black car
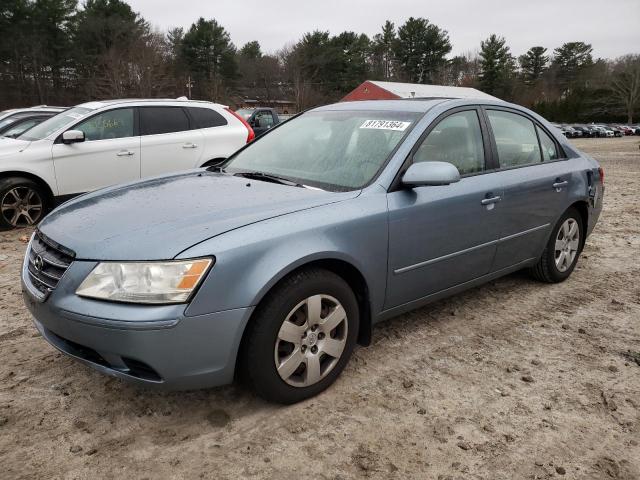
[[586, 132]]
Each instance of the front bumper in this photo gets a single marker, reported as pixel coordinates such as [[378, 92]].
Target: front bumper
[[153, 346]]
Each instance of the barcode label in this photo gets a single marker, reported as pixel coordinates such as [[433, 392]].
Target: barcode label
[[386, 125]]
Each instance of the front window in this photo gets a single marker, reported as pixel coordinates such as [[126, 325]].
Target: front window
[[108, 125], [335, 150], [54, 124], [456, 140]]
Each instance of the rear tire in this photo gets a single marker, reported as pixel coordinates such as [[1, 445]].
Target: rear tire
[[561, 253], [301, 337], [23, 203]]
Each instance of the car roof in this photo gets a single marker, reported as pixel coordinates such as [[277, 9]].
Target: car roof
[[118, 101], [417, 105], [38, 108]]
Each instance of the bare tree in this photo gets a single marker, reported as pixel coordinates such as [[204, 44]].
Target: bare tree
[[625, 83]]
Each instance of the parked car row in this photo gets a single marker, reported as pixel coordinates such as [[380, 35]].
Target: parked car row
[[597, 130], [97, 144]]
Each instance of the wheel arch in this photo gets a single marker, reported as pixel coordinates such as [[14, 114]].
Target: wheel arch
[[35, 178], [582, 206], [345, 270]]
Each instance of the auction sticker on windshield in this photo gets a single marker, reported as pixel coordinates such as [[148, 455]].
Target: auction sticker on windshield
[[386, 125]]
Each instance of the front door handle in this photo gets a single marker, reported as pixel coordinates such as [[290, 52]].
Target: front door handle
[[190, 145], [490, 201], [125, 153], [559, 184]]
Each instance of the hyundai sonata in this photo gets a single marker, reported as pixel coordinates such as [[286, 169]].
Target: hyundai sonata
[[275, 265]]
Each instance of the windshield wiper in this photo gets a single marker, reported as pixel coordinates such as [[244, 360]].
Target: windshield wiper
[[268, 177]]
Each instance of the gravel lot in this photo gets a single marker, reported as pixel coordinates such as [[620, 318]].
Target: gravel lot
[[513, 380]]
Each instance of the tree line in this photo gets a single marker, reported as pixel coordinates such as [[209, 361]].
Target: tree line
[[60, 52]]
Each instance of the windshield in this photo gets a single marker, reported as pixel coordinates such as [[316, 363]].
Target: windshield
[[54, 124], [334, 150], [244, 112]]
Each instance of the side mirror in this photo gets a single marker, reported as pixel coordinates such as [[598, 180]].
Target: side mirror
[[72, 136], [430, 173]]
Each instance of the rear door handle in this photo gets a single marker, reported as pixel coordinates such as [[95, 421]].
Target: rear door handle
[[559, 185], [190, 145], [489, 201], [125, 153]]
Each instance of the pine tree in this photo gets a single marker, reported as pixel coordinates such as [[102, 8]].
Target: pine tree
[[421, 50], [533, 64], [497, 66]]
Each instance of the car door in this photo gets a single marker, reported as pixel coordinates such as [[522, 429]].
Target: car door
[[109, 154], [167, 141], [262, 121], [442, 236], [536, 181]]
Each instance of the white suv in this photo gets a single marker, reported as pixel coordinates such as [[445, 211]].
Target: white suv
[[98, 144]]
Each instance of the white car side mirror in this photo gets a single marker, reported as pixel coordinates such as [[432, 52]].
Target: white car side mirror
[[72, 136]]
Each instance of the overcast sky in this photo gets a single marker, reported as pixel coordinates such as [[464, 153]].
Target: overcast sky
[[611, 26]]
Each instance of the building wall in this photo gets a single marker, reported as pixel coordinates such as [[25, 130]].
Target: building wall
[[369, 91]]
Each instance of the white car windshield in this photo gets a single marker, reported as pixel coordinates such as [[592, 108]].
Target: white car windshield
[[245, 113], [334, 150], [54, 124]]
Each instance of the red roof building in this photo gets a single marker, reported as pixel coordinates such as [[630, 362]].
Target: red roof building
[[374, 90]]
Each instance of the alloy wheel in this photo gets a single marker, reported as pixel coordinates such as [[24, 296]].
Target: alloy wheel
[[21, 206], [567, 244], [311, 340]]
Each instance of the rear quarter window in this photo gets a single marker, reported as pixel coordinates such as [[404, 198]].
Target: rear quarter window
[[206, 118], [548, 146]]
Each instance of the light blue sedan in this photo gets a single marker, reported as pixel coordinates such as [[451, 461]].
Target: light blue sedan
[[273, 266]]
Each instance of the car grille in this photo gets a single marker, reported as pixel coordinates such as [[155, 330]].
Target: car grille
[[47, 262]]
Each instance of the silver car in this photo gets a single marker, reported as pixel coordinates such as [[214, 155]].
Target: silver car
[[275, 265]]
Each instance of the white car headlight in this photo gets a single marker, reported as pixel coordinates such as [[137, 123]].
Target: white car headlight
[[145, 282]]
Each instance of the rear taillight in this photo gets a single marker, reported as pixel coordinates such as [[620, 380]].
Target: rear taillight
[[251, 134], [601, 172]]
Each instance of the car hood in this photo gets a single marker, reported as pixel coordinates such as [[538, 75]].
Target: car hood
[[11, 146], [158, 218]]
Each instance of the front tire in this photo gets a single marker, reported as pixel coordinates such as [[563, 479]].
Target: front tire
[[561, 253], [301, 337], [22, 203]]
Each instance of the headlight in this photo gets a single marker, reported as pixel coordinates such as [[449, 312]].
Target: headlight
[[145, 282]]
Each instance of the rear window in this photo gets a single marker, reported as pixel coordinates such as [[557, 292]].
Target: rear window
[[159, 120], [515, 137], [206, 118]]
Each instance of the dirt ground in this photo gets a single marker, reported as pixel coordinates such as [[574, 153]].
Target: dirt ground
[[512, 380]]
